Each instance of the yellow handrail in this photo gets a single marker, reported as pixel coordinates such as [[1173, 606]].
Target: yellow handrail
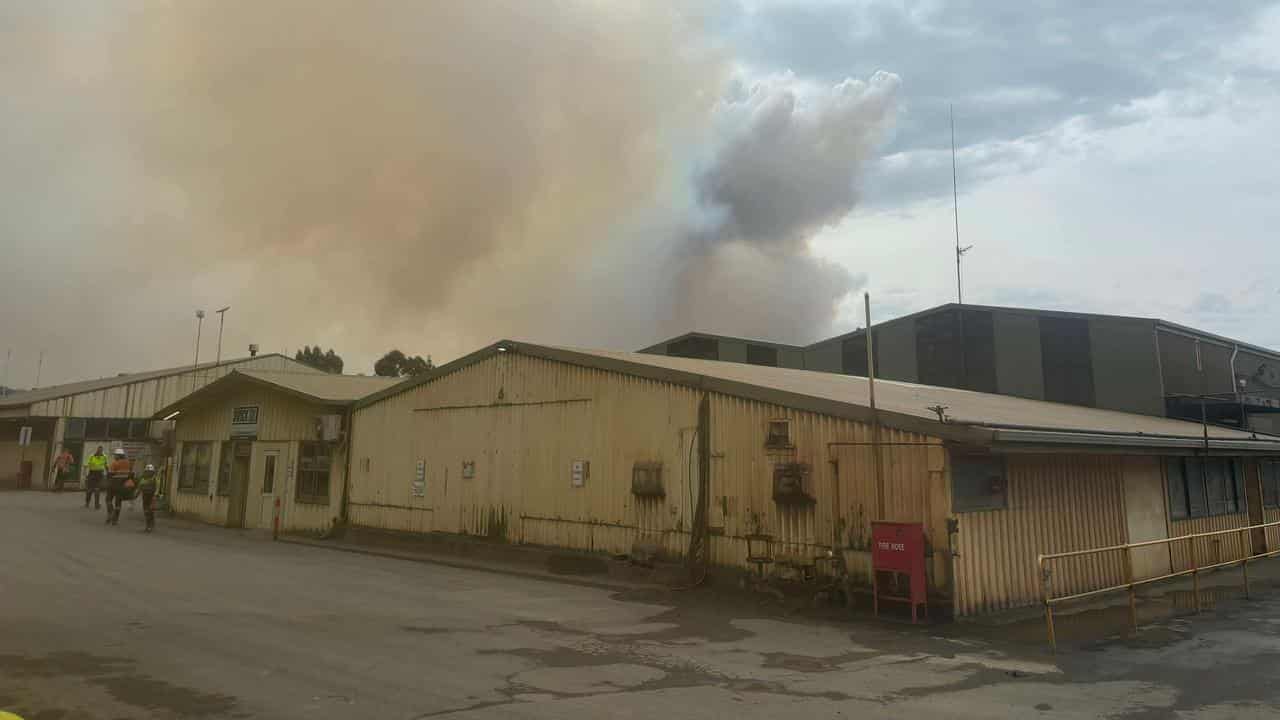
[[1131, 584]]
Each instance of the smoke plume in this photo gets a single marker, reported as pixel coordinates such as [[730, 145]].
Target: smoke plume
[[428, 176]]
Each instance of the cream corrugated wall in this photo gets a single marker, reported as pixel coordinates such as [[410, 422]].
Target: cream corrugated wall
[[281, 418], [1273, 534], [1210, 550], [523, 421], [12, 454], [144, 398], [1056, 503]]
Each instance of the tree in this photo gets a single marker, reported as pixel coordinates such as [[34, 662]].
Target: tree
[[397, 364], [329, 362]]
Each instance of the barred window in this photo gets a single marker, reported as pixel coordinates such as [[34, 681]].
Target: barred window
[[313, 473], [193, 473]]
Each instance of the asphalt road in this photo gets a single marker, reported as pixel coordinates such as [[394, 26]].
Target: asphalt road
[[200, 622]]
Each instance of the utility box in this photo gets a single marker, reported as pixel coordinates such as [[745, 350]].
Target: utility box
[[897, 562], [646, 479], [789, 484], [330, 428]]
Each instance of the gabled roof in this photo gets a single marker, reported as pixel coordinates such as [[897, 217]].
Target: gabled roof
[[321, 388], [970, 417], [53, 392], [713, 336]]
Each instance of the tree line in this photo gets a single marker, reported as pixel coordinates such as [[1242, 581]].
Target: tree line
[[392, 364]]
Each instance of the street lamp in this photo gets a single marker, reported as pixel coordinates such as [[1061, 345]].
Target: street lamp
[[199, 326], [222, 316]]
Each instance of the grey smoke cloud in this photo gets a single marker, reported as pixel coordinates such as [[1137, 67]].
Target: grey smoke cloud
[[374, 174], [787, 167]]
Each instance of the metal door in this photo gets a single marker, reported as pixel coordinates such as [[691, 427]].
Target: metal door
[[239, 495], [1145, 515]]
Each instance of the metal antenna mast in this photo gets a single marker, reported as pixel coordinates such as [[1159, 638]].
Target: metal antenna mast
[[955, 200]]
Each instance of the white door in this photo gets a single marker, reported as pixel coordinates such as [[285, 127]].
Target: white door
[[267, 485]]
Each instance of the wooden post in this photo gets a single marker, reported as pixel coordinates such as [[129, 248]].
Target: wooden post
[[1133, 592], [1195, 574]]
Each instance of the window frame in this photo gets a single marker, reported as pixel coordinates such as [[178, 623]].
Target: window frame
[[1270, 467], [966, 505], [270, 467], [1203, 487], [191, 479], [310, 477]]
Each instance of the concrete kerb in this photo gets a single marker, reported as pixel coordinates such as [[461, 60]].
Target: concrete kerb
[[453, 561]]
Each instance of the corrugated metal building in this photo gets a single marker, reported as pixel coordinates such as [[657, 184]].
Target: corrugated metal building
[[1132, 364], [255, 436], [599, 450], [112, 412]]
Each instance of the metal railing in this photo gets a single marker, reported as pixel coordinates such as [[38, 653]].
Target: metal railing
[[1131, 584]]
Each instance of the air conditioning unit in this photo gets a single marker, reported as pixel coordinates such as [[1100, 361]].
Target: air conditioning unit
[[329, 428], [646, 479], [789, 486]]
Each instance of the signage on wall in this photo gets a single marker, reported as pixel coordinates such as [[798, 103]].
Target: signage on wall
[[579, 472], [419, 486], [244, 421], [468, 469]]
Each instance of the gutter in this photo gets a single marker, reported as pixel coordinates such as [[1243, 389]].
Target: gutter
[[1057, 437]]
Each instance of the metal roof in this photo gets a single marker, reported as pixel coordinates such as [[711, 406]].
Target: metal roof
[[1156, 322], [319, 387], [713, 336], [53, 392], [971, 417]]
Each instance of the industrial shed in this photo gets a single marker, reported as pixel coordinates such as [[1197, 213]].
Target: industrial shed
[[599, 450], [112, 412], [254, 436]]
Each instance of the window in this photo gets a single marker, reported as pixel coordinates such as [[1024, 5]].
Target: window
[[117, 429], [1270, 483], [1066, 359], [269, 473], [779, 434], [313, 473], [1204, 487], [193, 473], [228, 456], [138, 429], [96, 429], [695, 347], [978, 483], [74, 429], [762, 355]]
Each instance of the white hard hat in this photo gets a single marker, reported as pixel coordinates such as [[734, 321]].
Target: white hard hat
[[150, 467], [118, 451]]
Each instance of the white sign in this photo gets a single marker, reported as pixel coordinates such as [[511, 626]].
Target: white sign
[[24, 435], [419, 486], [579, 472], [244, 421]]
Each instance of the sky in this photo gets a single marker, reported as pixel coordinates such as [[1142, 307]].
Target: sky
[[435, 176]]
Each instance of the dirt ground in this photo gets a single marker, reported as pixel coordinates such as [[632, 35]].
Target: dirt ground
[[99, 622]]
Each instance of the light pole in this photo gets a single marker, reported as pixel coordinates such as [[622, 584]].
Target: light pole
[[222, 316], [199, 326]]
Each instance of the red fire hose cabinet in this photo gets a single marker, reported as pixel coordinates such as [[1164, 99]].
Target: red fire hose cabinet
[[897, 555]]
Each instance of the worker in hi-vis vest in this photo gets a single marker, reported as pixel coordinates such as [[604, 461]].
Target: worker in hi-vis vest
[[120, 485], [96, 466], [148, 483]]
